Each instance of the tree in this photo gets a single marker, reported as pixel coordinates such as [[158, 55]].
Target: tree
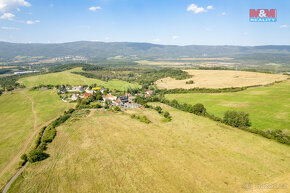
[[36, 155], [199, 109], [237, 119], [158, 109], [116, 108], [167, 115]]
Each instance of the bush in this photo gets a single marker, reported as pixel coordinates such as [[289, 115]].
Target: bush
[[24, 157], [199, 109], [158, 109], [189, 82], [237, 119], [49, 134], [167, 115], [143, 119], [36, 155], [116, 108]]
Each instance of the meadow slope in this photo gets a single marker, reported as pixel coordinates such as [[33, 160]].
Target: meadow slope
[[21, 113], [66, 77], [110, 152], [268, 106]]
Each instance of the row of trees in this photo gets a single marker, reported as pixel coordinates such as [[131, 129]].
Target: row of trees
[[143, 119], [165, 114], [201, 90], [233, 118], [46, 135]]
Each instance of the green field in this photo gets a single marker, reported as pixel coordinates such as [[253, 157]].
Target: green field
[[19, 123], [269, 107], [66, 77], [110, 152]]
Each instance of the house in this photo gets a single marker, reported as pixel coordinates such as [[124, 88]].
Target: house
[[131, 98], [117, 102], [62, 91], [146, 95], [124, 99], [109, 97], [87, 95], [74, 97], [149, 92], [81, 88], [97, 88], [90, 91]]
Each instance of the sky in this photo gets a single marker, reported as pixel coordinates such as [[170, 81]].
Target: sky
[[178, 22]]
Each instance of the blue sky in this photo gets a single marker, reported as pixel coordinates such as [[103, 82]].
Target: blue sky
[[180, 22]]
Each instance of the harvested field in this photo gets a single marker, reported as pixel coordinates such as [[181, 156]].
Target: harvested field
[[220, 79]]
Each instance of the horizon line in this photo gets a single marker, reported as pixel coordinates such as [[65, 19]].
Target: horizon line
[[94, 41]]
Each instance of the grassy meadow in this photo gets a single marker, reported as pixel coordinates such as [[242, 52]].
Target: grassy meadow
[[66, 77], [20, 121], [188, 154], [269, 107]]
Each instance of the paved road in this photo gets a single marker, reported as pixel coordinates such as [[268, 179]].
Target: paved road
[[14, 178]]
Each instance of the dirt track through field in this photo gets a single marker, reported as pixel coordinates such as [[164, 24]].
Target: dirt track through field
[[25, 145], [27, 142]]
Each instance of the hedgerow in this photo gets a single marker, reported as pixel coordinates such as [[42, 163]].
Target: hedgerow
[[46, 135], [143, 119]]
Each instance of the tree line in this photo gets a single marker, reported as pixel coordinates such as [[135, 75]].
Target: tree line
[[232, 118], [45, 136]]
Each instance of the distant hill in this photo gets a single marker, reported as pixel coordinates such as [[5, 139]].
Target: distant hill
[[102, 50]]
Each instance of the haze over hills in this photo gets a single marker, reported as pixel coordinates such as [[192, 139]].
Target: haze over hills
[[103, 50]]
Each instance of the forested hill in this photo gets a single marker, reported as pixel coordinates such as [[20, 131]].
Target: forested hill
[[101, 50]]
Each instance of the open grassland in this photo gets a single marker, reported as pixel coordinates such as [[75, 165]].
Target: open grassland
[[220, 79], [110, 152], [22, 113], [269, 107], [66, 77]]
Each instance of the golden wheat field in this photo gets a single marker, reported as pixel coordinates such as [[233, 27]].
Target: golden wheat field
[[220, 79]]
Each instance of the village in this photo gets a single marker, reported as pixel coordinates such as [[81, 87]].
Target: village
[[124, 100]]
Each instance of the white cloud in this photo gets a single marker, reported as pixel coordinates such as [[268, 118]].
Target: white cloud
[[284, 26], [245, 33], [194, 8], [175, 37], [209, 7], [224, 13], [8, 16], [95, 8], [13, 4], [32, 22], [9, 28]]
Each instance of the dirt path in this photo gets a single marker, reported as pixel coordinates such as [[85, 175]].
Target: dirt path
[[14, 178], [25, 146], [92, 111]]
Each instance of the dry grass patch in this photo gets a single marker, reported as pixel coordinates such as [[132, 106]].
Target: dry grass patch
[[220, 79], [234, 104], [110, 152]]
